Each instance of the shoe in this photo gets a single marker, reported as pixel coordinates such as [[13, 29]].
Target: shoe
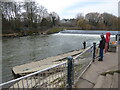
[[100, 59]]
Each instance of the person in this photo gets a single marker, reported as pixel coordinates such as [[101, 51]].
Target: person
[[107, 41], [116, 37], [102, 47], [84, 44]]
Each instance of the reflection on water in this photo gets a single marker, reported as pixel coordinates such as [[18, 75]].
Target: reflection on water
[[20, 50]]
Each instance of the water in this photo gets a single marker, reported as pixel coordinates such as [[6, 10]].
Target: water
[[20, 50]]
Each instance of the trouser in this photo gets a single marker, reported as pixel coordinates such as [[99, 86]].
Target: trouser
[[106, 47], [101, 53]]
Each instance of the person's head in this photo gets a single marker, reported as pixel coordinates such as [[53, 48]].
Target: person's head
[[102, 36]]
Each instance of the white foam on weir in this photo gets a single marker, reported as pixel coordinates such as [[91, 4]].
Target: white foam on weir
[[91, 35], [65, 34]]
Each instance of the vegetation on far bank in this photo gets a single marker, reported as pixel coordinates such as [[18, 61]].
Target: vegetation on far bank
[[30, 18], [55, 30], [58, 29], [46, 32]]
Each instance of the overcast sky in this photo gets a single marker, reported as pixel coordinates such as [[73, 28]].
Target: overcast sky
[[70, 8]]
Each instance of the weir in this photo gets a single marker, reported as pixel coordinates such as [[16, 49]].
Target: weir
[[89, 32]]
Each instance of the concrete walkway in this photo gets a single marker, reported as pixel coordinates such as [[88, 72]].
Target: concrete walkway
[[91, 76]]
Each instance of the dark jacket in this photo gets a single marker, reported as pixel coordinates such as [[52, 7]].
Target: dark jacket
[[102, 43]]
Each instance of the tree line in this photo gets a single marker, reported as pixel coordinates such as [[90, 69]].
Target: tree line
[[30, 17], [26, 17], [95, 21]]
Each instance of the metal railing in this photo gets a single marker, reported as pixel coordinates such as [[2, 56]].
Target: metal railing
[[80, 63], [84, 60], [62, 75], [52, 77]]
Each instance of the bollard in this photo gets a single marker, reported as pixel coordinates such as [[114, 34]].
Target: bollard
[[84, 44], [116, 37], [94, 49], [69, 72]]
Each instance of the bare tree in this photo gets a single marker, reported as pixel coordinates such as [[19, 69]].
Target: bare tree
[[79, 16], [93, 18], [54, 18]]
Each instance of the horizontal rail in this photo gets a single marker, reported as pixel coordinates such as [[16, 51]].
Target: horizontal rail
[[83, 52], [86, 67]]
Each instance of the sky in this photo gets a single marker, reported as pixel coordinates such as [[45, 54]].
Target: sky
[[70, 8]]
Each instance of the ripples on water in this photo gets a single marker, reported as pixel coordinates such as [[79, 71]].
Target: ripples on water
[[20, 50]]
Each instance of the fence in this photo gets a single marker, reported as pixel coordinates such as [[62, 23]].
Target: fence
[[52, 77], [84, 60], [80, 63], [61, 75]]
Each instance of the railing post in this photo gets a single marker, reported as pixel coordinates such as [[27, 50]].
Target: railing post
[[69, 72], [94, 49]]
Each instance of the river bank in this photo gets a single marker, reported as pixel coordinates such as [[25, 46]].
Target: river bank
[[33, 32], [21, 35], [46, 32]]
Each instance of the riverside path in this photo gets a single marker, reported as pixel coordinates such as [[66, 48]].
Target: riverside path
[[102, 74]]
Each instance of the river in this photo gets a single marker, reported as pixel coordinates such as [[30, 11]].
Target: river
[[20, 50]]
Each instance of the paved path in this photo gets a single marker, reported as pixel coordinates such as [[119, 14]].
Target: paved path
[[90, 77]]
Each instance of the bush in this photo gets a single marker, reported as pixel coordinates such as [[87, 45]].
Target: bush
[[55, 30]]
